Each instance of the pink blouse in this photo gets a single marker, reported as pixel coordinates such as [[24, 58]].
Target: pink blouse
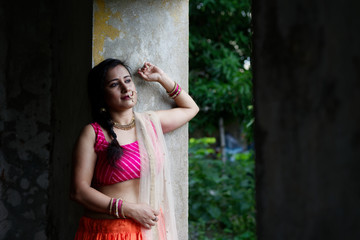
[[128, 166]]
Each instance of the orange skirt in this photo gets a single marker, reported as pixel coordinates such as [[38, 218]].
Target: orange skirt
[[108, 229]]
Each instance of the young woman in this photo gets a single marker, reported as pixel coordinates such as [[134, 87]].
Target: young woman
[[120, 172]]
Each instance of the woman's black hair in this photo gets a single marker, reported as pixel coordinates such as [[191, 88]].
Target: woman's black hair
[[99, 108]]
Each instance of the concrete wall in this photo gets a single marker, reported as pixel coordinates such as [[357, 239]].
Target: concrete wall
[[25, 118], [45, 55], [155, 31], [306, 80]]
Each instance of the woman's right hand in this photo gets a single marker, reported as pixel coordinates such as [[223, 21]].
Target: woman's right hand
[[141, 213]]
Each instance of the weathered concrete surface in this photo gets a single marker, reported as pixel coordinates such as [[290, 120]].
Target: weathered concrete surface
[[25, 118], [45, 54], [306, 80], [155, 31]]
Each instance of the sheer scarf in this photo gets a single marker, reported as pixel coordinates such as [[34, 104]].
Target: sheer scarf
[[155, 183]]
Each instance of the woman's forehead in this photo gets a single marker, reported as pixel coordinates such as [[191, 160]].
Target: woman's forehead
[[118, 71]]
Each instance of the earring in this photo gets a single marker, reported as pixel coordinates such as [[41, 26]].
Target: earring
[[102, 110]]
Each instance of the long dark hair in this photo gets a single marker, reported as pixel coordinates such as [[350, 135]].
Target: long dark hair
[[99, 108]]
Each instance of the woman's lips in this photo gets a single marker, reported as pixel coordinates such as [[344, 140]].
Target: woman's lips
[[125, 98]]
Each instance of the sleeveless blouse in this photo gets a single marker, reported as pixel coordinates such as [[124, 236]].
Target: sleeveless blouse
[[127, 167]]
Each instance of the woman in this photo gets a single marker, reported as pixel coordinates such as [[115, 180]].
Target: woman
[[120, 172]]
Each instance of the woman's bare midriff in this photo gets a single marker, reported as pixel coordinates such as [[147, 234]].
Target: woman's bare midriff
[[128, 191]]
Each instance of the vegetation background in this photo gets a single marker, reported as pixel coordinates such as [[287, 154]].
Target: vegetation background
[[221, 177]]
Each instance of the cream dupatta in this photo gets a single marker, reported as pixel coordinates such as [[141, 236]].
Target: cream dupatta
[[155, 183]]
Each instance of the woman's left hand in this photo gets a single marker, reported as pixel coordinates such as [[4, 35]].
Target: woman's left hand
[[150, 72]]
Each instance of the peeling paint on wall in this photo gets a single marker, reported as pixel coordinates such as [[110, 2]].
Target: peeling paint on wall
[[102, 29]]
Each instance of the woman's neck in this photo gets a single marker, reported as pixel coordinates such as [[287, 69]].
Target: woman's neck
[[123, 117]]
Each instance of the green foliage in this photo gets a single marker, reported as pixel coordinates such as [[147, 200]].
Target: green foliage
[[220, 38], [222, 195]]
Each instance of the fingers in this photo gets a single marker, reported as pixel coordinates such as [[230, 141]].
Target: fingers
[[147, 226], [149, 72], [156, 212], [150, 223], [146, 67], [141, 73]]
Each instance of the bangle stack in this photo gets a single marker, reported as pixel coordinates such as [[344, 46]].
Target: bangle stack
[[175, 91], [116, 206]]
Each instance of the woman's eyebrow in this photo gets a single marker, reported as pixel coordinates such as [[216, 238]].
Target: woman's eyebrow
[[111, 80], [116, 79]]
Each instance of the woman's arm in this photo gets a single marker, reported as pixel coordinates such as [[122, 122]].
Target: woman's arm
[[186, 107], [84, 160]]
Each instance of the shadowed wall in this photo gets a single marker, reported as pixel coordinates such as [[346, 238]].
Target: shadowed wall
[[306, 83]]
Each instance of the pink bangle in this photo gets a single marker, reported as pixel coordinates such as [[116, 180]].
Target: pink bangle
[[110, 205], [113, 206], [174, 92]]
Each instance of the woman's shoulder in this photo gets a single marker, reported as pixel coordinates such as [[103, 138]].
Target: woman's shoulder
[[89, 130]]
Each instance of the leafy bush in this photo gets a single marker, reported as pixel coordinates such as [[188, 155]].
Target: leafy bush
[[221, 199]]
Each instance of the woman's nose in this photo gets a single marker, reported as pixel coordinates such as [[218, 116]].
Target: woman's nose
[[123, 88]]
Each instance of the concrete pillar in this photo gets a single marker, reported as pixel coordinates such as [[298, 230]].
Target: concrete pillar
[[306, 83], [155, 31]]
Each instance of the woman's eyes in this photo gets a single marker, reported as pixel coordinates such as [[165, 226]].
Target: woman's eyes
[[114, 84]]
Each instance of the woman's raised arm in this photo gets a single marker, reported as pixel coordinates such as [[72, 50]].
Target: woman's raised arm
[[186, 107]]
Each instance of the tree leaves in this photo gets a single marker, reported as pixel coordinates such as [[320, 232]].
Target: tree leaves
[[219, 44]]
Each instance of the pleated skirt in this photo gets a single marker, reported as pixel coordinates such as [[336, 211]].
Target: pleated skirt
[[108, 229]]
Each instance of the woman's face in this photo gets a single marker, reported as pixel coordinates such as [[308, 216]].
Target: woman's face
[[119, 89]]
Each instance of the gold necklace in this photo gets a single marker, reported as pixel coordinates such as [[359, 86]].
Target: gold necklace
[[126, 126]]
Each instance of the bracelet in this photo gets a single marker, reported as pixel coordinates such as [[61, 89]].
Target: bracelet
[[111, 205], [172, 91], [114, 206], [122, 210], [117, 208], [177, 92]]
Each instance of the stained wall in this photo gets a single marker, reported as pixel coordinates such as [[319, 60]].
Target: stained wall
[[25, 118], [45, 54], [306, 86]]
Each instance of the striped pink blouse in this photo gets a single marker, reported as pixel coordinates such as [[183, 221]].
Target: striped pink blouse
[[128, 165]]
